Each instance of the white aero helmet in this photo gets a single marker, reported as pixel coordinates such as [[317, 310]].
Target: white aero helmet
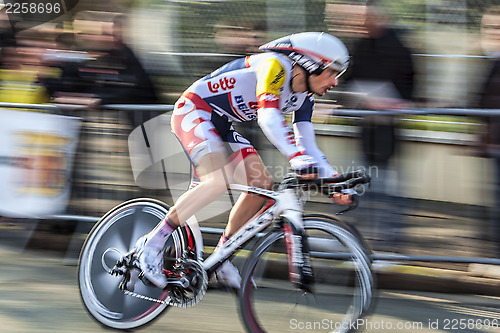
[[314, 51]]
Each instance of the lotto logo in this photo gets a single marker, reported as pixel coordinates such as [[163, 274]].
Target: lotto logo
[[224, 84]]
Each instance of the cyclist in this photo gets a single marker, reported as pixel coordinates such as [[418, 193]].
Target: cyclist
[[262, 86]]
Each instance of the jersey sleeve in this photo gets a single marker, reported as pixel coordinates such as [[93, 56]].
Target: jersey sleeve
[[306, 138], [270, 79]]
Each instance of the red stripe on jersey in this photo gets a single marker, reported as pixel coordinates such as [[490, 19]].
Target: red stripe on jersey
[[198, 102], [295, 155], [235, 111], [240, 155], [267, 100]]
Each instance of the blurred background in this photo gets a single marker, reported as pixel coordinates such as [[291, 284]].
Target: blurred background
[[416, 109]]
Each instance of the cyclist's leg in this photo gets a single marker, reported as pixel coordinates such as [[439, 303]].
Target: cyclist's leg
[[191, 123], [213, 175], [249, 171]]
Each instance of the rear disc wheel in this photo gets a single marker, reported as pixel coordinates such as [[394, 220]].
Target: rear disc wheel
[[110, 239]]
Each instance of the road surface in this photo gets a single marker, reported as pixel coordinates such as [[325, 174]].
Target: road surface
[[38, 293]]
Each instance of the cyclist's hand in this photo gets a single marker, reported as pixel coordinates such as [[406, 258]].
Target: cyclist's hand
[[344, 198], [305, 166]]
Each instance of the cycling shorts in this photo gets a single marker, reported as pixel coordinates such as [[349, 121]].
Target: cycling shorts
[[202, 131]]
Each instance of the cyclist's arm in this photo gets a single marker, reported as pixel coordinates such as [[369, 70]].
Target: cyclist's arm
[[306, 141], [270, 78], [306, 138]]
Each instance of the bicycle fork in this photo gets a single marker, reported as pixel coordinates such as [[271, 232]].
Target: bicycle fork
[[299, 262]]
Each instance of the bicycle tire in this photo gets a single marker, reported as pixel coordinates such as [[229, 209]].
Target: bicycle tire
[[118, 230], [343, 288]]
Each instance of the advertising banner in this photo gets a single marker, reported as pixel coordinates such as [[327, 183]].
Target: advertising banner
[[36, 159]]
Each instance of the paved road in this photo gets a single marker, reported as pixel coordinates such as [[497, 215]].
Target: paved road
[[38, 293]]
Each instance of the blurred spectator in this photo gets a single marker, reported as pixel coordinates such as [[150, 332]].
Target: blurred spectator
[[382, 76], [7, 38], [490, 31], [104, 70], [489, 98], [241, 38], [345, 20], [21, 64]]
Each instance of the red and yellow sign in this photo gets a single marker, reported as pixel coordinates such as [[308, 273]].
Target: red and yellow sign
[[44, 167]]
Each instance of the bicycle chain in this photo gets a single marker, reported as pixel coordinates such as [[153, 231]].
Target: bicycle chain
[[146, 298], [169, 301]]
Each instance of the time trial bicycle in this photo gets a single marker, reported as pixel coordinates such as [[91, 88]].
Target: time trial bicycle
[[302, 268]]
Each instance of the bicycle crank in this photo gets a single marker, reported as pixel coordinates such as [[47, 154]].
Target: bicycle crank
[[187, 280], [186, 289], [188, 294]]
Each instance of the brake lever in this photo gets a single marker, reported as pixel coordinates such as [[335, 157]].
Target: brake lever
[[354, 205]]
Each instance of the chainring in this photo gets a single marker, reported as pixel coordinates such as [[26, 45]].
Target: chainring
[[197, 277]]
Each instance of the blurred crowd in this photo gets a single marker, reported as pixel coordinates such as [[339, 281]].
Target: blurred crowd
[[86, 61], [83, 62]]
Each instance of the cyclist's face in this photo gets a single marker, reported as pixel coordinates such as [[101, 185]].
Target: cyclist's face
[[490, 29], [320, 84]]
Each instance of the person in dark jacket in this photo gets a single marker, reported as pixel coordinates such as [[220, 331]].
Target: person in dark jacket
[[382, 68], [107, 71], [7, 37], [382, 75], [489, 98]]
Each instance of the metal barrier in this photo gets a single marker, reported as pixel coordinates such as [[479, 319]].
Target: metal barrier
[[386, 257], [158, 109]]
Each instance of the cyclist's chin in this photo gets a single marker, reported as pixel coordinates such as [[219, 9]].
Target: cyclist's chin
[[319, 92]]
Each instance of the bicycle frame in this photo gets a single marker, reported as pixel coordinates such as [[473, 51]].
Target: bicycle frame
[[283, 211], [283, 204]]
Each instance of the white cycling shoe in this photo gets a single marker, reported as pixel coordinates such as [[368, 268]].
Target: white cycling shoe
[[227, 274], [151, 262]]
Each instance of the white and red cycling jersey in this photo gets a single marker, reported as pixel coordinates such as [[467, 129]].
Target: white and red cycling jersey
[[255, 87]]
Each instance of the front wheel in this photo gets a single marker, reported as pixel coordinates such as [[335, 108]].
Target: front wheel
[[342, 290]]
